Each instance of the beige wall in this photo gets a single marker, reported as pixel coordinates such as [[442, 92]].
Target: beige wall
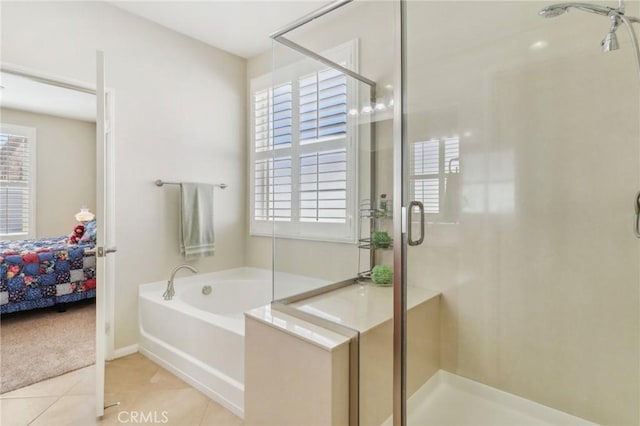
[[179, 115], [540, 276], [65, 169], [376, 360]]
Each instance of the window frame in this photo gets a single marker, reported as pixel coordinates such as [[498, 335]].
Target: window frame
[[30, 134], [296, 229]]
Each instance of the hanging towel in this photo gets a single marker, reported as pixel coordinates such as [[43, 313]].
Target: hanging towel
[[196, 216]]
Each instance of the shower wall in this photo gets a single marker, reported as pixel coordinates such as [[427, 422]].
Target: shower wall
[[539, 270]]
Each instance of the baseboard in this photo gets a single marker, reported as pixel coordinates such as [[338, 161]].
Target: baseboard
[[127, 350]]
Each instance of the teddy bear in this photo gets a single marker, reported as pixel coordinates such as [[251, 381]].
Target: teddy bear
[[77, 233]]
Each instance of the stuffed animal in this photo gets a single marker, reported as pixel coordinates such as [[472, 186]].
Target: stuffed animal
[[77, 233]]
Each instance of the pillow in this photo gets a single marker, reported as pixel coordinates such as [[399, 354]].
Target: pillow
[[89, 236]]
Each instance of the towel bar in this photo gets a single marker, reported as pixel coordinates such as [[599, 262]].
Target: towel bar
[[160, 182]]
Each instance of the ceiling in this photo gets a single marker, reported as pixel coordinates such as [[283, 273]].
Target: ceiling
[[237, 26], [29, 95]]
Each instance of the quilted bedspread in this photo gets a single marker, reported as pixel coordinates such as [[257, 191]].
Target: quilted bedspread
[[40, 273]]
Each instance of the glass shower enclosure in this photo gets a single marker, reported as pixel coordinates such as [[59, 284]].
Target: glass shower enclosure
[[453, 186]]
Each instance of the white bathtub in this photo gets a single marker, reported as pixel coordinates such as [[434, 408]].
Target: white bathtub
[[200, 338]]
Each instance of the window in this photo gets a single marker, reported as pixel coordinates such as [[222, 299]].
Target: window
[[17, 181], [435, 165], [303, 153]]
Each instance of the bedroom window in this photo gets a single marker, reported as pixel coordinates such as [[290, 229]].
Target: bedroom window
[[303, 153], [17, 181]]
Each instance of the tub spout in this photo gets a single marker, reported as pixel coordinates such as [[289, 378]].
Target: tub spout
[[170, 292]]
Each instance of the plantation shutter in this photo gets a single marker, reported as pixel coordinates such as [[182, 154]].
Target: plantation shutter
[[304, 152], [273, 189], [426, 170], [15, 184], [431, 161], [323, 106], [323, 186], [273, 117], [323, 123], [452, 155]]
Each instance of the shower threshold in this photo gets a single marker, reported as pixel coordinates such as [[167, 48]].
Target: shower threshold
[[448, 399]]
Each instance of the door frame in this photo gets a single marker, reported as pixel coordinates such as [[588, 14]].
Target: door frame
[[109, 284], [401, 211], [110, 180]]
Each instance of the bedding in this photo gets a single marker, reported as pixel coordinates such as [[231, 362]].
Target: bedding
[[45, 272]]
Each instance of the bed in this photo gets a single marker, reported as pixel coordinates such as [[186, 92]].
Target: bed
[[45, 272]]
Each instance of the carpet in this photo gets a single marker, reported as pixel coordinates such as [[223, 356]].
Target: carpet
[[41, 344]]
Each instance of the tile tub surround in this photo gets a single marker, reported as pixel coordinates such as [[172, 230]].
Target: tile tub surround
[[134, 381], [295, 373], [278, 377]]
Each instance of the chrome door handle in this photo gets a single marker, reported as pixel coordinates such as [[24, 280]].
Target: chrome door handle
[[636, 224], [103, 251], [420, 207]]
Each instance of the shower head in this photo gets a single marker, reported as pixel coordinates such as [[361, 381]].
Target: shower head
[[562, 8], [617, 16], [610, 42], [553, 11]]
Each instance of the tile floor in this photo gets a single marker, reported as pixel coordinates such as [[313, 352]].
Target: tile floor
[[141, 387]]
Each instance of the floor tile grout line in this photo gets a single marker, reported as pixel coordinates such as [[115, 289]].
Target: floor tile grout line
[[204, 414], [36, 397], [43, 411], [136, 393], [68, 392], [76, 372]]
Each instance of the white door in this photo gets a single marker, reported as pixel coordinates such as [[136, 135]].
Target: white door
[[105, 220]]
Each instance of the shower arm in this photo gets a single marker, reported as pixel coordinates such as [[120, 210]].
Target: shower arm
[[592, 8], [631, 19], [597, 9]]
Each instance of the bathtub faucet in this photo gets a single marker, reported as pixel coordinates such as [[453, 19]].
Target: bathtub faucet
[[170, 292]]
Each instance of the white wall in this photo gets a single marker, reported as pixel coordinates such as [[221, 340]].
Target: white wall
[[65, 169], [179, 115]]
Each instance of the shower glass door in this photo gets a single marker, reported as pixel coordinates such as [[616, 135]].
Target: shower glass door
[[521, 144], [312, 183], [328, 179]]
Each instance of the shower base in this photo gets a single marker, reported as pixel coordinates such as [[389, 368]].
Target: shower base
[[448, 399]]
